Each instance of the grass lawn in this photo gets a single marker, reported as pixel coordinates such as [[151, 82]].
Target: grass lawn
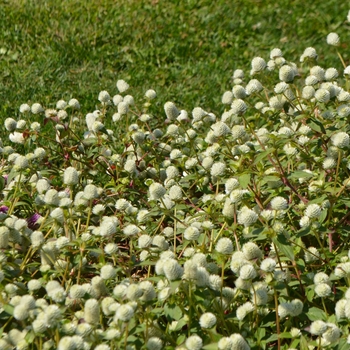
[[185, 50]]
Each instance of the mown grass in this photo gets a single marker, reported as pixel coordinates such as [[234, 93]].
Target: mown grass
[[185, 50]]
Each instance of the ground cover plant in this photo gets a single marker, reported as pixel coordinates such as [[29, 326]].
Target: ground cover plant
[[150, 224]]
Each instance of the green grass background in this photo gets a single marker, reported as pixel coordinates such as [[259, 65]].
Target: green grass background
[[185, 50]]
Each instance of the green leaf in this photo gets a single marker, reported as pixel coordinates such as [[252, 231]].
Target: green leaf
[[173, 311], [304, 345], [300, 174], [263, 155], [284, 246], [315, 314], [244, 180], [8, 308], [180, 324], [272, 338], [180, 339], [317, 126]]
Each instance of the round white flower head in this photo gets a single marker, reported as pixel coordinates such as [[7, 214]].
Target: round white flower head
[[224, 246], [238, 342], [220, 129], [247, 272], [332, 334], [150, 94], [225, 343], [91, 192], [309, 54], [322, 95], [218, 169], [286, 73], [122, 86], [268, 265], [171, 111], [238, 74], [156, 191], [207, 320], [342, 270], [175, 193], [123, 108], [258, 64], [333, 39], [251, 251], [124, 313], [51, 197], [331, 74], [111, 248], [108, 272], [253, 86], [239, 92], [304, 222], [318, 327], [281, 87], [37, 108], [238, 107], [279, 203], [312, 254], [104, 96], [154, 343], [329, 163], [194, 342], [275, 53], [74, 103], [172, 269], [313, 211], [92, 311], [24, 108], [10, 124], [308, 92], [323, 290], [343, 111], [191, 233], [227, 97], [131, 230], [247, 217], [70, 176], [340, 140], [17, 137], [243, 310], [144, 241], [61, 104], [318, 72]]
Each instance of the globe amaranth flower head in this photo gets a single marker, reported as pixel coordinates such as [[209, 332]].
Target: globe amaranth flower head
[[122, 85], [258, 64], [224, 246], [247, 217], [313, 211], [333, 39], [70, 176], [171, 111], [194, 342], [238, 107], [104, 96], [207, 320], [309, 54], [156, 191], [340, 140], [218, 169]]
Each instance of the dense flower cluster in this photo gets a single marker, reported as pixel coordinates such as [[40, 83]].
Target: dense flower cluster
[[121, 232]]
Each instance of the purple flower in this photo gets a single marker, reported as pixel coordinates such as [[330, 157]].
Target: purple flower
[[32, 221], [4, 209]]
